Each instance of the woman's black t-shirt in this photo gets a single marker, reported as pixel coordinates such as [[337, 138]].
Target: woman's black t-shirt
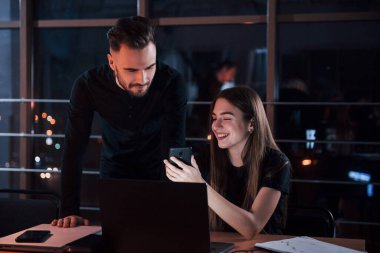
[[275, 173]]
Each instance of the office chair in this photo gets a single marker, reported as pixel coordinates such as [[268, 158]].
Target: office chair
[[19, 213], [310, 221]]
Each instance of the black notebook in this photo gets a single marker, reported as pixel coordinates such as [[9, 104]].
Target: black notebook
[[152, 216]]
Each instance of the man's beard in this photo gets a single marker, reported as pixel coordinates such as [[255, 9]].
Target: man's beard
[[128, 88], [140, 93]]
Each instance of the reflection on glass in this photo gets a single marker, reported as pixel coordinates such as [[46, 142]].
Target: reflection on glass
[[85, 9], [323, 66], [9, 10], [61, 55], [9, 63], [9, 88], [184, 8], [327, 6], [319, 63]]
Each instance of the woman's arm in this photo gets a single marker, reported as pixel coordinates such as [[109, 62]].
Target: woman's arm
[[247, 223]]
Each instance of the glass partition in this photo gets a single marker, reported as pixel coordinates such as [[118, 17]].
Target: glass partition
[[9, 10], [183, 8], [327, 6], [85, 9]]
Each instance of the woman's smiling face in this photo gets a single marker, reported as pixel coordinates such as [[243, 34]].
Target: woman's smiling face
[[229, 126]]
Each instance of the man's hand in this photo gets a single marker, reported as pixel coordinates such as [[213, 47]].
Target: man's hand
[[70, 222]]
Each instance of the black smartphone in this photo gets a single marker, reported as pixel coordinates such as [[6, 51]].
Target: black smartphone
[[34, 236], [183, 154]]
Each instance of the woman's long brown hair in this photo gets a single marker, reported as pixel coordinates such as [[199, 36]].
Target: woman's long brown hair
[[249, 102]]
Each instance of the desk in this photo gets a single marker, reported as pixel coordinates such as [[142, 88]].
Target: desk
[[241, 243]]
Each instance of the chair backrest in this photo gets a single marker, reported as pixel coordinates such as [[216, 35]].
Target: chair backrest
[[310, 221], [20, 213]]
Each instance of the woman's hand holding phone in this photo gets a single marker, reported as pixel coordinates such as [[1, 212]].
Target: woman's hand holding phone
[[183, 172], [182, 154]]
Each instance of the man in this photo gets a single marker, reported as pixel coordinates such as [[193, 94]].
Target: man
[[216, 81], [141, 103]]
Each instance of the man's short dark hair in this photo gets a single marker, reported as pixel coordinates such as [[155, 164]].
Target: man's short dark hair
[[136, 32], [226, 64]]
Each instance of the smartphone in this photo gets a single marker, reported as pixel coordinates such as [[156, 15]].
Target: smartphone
[[34, 236], [183, 154]]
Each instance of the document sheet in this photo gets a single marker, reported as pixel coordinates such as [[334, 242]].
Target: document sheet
[[304, 244]]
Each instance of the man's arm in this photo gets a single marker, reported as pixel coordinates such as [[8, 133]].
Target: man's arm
[[78, 129]]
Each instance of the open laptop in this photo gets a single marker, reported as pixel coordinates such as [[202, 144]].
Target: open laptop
[[151, 216]]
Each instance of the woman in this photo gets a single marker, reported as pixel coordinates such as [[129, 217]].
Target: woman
[[249, 175]]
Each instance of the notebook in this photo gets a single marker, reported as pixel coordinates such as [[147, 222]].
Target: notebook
[[152, 216], [57, 242]]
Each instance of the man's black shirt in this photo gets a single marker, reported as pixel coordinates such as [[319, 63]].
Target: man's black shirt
[[137, 132]]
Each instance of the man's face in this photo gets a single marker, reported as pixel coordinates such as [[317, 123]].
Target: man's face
[[226, 74], [134, 68]]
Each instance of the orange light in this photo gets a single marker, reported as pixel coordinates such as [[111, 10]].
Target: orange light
[[307, 162], [44, 115], [49, 132], [52, 121], [209, 137]]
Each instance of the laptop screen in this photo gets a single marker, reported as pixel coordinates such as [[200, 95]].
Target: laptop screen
[[152, 216]]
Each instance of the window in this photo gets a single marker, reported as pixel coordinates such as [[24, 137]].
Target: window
[[326, 86]]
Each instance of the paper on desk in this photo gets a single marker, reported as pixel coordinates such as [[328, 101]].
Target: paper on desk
[[303, 244]]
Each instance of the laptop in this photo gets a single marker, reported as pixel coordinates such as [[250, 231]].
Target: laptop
[[152, 216]]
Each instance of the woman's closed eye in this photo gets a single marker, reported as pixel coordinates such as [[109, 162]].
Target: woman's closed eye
[[222, 119]]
